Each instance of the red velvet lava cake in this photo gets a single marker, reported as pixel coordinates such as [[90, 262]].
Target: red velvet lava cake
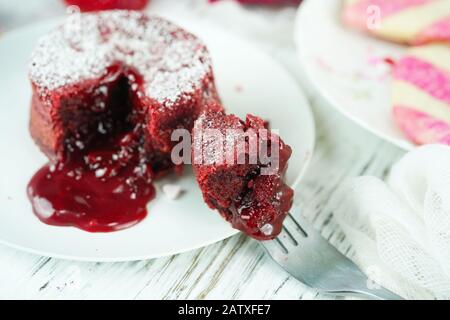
[[116, 66], [108, 90]]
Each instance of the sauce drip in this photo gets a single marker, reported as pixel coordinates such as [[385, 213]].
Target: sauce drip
[[103, 190]]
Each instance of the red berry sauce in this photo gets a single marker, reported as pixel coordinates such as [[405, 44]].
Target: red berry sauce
[[98, 5], [104, 180], [102, 190]]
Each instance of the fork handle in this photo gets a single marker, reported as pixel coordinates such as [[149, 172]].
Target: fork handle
[[358, 286], [378, 294]]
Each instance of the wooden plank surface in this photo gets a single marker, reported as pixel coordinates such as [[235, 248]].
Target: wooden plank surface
[[236, 268]]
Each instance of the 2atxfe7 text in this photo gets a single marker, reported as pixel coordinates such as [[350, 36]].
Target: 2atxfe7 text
[[232, 309]]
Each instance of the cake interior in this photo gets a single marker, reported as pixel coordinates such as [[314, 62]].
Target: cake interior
[[259, 207], [89, 120], [99, 116]]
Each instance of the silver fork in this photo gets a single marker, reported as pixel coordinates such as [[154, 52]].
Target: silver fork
[[308, 257]]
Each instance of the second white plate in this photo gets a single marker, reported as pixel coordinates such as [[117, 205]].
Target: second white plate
[[347, 68]]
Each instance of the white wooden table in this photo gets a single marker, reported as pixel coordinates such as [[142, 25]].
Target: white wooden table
[[236, 268]]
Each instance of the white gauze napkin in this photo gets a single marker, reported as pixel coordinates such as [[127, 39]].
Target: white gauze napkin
[[400, 229]]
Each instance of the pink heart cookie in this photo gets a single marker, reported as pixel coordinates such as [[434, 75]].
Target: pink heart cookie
[[405, 21], [421, 94]]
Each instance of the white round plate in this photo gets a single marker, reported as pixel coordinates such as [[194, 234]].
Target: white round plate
[[346, 68], [248, 80]]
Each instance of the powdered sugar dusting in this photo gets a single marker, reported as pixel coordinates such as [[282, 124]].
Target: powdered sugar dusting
[[171, 61], [216, 134]]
